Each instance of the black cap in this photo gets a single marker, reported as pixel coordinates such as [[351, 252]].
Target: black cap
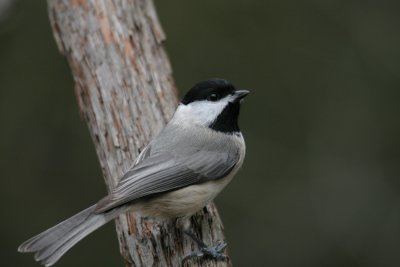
[[203, 90]]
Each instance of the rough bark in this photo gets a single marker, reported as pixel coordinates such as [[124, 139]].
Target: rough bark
[[125, 90]]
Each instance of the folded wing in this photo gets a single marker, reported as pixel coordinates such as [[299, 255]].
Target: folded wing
[[163, 172]]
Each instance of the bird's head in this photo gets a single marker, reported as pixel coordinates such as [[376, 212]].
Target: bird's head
[[213, 103]]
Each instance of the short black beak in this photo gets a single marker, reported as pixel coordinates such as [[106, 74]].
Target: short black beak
[[239, 94]]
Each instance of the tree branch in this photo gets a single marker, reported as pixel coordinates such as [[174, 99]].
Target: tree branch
[[126, 93]]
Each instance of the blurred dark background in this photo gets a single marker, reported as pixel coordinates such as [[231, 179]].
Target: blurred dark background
[[320, 185]]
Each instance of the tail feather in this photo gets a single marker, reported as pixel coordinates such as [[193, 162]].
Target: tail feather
[[51, 244], [56, 232]]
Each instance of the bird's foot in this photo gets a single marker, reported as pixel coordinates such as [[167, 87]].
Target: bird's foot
[[214, 252]]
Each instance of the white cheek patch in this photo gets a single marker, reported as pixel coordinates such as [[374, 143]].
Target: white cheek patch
[[201, 112]]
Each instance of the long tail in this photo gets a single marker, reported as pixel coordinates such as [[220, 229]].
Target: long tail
[[51, 244]]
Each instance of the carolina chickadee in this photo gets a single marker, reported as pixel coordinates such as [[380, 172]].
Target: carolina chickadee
[[179, 172]]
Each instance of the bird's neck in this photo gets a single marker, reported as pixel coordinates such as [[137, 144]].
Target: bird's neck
[[227, 120]]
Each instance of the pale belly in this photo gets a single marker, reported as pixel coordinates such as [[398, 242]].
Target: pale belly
[[185, 201]]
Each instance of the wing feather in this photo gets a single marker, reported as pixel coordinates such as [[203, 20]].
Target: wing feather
[[163, 172]]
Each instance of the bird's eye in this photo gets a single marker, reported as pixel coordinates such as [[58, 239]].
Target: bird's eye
[[212, 97]]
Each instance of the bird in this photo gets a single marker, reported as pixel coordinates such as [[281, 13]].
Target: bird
[[179, 172]]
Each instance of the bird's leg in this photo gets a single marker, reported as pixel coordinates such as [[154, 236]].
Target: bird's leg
[[214, 252]]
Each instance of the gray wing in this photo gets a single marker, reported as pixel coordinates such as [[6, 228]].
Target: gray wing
[[163, 172]]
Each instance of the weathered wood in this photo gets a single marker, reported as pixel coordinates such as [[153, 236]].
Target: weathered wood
[[126, 93]]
